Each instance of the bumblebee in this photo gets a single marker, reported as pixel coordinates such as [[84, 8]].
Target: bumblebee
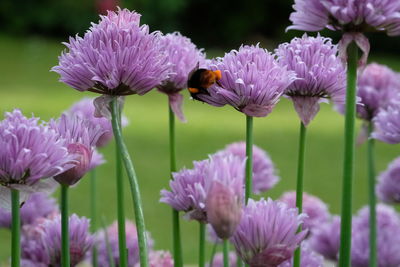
[[200, 80]]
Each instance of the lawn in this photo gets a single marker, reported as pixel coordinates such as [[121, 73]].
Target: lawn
[[26, 83]]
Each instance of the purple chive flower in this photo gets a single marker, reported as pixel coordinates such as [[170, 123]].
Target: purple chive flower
[[159, 259], [388, 237], [195, 191], [321, 74], [38, 205], [387, 123], [219, 260], [117, 56], [388, 187], [325, 239], [316, 210], [29, 152], [267, 233], [225, 194], [184, 57], [252, 81], [131, 244], [376, 86], [81, 137], [41, 242], [86, 110], [353, 17], [264, 172], [309, 258]]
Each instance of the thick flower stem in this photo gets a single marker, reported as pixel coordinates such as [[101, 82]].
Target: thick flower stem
[[249, 155], [373, 262], [134, 185], [299, 187], [65, 257], [226, 253], [348, 166], [16, 229], [202, 245], [175, 214], [93, 212]]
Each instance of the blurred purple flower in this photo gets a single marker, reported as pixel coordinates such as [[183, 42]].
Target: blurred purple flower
[[81, 137], [117, 56], [219, 260], [320, 72], [86, 110], [225, 196], [30, 152], [112, 235], [388, 187], [41, 242], [38, 205], [267, 234], [387, 123], [264, 172], [316, 210], [388, 237], [190, 189], [309, 258], [159, 258], [325, 239], [376, 86], [352, 17], [252, 81], [184, 57]]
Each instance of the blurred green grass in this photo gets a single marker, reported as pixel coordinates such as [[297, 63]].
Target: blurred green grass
[[26, 83]]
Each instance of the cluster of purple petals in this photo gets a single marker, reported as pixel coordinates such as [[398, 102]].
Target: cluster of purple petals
[[388, 187], [325, 239], [218, 260], [86, 110], [387, 123], [348, 16], [29, 150], [320, 74], [190, 188], [264, 172], [38, 205], [41, 241], [184, 56], [112, 236], [316, 210], [159, 258], [309, 258], [267, 233], [376, 86], [81, 137], [388, 237], [252, 81], [117, 56]]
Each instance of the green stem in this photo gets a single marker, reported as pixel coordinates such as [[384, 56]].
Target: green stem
[[202, 244], [16, 229], [175, 214], [226, 253], [93, 212], [249, 155], [134, 185], [213, 251], [373, 261], [348, 166], [299, 187], [65, 257], [123, 257]]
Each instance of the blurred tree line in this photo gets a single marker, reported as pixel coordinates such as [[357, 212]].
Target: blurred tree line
[[211, 24]]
